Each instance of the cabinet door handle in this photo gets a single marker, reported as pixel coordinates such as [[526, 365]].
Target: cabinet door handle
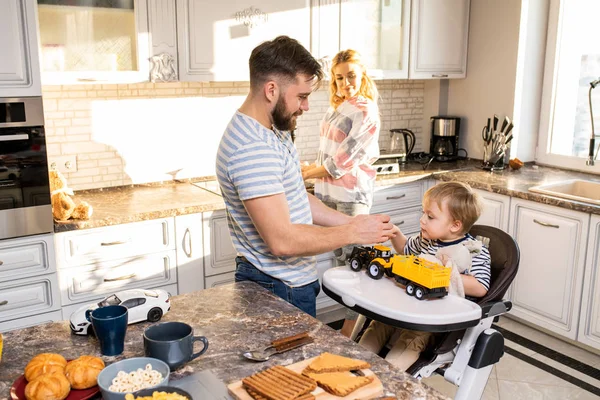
[[3, 302], [121, 278], [396, 197], [188, 235], [115, 243], [439, 75], [546, 224], [400, 223], [1, 262]]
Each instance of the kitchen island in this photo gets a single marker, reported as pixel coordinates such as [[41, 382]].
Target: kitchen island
[[234, 318]]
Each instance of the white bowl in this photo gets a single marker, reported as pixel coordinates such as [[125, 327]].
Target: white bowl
[[107, 375]]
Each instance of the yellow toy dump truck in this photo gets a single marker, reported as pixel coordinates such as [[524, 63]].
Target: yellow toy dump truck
[[362, 256], [423, 279]]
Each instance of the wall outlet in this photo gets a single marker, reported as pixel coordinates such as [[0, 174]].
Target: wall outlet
[[64, 163]]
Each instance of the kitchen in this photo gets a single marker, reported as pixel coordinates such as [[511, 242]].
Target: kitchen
[[116, 132]]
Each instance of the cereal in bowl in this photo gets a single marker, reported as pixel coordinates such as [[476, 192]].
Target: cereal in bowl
[[135, 380]]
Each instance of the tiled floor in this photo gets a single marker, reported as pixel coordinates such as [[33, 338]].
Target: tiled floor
[[513, 378]]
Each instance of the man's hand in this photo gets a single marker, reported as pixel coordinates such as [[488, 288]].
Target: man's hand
[[372, 228], [305, 166]]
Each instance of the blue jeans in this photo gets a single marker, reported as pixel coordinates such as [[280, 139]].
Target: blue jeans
[[303, 297]]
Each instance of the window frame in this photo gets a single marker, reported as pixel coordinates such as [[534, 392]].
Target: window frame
[[547, 111], [140, 9]]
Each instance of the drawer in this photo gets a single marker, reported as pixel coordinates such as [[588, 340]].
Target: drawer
[[386, 199], [28, 257], [218, 248], [27, 322], [29, 296], [68, 310], [219, 280], [80, 284], [114, 242]]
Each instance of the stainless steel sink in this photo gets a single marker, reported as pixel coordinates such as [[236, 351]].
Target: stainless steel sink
[[576, 189]]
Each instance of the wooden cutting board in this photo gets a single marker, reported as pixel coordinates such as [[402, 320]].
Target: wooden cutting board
[[372, 390]]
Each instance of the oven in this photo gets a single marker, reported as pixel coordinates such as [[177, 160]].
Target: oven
[[25, 207]]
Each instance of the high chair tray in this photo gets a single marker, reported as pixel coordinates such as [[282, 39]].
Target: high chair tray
[[386, 301]]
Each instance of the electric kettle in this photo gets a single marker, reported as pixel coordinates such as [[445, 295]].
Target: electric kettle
[[402, 143]]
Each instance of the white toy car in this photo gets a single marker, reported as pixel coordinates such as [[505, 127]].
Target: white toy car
[[142, 305]]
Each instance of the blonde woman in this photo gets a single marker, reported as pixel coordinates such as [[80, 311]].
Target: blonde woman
[[348, 146]]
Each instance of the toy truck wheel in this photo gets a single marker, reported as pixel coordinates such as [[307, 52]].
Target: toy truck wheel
[[375, 270], [355, 264], [410, 289], [419, 293]]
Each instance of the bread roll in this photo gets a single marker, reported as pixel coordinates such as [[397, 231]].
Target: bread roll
[[53, 385], [44, 363], [82, 373]]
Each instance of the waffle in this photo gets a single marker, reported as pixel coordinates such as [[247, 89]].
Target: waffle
[[256, 396], [279, 383], [340, 383], [328, 362]]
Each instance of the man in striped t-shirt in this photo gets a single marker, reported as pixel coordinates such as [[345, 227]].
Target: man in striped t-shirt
[[449, 211], [272, 219]]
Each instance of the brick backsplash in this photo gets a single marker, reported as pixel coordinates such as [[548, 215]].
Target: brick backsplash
[[124, 134]]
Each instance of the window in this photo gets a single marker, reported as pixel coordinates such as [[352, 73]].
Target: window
[[92, 40], [572, 62]]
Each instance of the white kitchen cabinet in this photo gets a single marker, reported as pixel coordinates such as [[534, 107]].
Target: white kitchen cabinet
[[325, 261], [215, 39], [190, 253], [27, 322], [29, 290], [439, 39], [93, 263], [219, 280], [496, 210], [19, 60], [219, 253], [547, 288], [589, 320]]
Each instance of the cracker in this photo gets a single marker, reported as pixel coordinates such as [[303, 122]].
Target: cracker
[[340, 383], [328, 362], [279, 383]]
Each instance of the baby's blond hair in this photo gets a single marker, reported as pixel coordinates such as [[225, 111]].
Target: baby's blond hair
[[462, 202]]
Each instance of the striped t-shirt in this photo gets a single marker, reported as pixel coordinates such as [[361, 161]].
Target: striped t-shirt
[[480, 262], [252, 162], [348, 147]]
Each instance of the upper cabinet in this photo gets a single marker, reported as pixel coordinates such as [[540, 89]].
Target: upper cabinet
[[216, 38], [439, 39], [398, 39], [99, 41], [19, 62]]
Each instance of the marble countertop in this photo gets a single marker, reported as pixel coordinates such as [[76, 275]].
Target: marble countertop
[[234, 318], [119, 205]]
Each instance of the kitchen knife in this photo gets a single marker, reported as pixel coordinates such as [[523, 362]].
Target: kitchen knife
[[504, 124], [510, 126], [508, 139], [495, 123], [488, 129]]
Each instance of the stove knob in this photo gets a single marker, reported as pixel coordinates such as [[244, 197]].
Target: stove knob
[[378, 169], [390, 168]]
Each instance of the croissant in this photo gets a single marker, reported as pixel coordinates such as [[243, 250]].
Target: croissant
[[44, 363], [82, 373], [52, 385]]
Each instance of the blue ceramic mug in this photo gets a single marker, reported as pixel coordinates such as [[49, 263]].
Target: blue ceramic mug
[[110, 325], [173, 343]]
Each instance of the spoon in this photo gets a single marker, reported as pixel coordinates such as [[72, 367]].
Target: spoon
[[267, 352]]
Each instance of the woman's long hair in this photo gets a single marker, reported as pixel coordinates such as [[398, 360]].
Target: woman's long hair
[[367, 86]]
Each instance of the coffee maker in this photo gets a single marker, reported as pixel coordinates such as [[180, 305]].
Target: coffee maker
[[444, 138]]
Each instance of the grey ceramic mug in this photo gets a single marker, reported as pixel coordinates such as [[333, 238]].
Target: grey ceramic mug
[[173, 343]]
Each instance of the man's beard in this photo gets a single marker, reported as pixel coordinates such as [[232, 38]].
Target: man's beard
[[283, 120]]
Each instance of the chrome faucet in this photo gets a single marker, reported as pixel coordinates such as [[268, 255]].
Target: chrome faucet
[[591, 157]]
